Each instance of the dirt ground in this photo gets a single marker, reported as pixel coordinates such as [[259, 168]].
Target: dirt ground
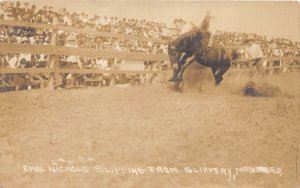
[[152, 126]]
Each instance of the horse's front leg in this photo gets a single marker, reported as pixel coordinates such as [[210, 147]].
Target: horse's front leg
[[180, 66], [177, 68], [183, 67], [179, 81]]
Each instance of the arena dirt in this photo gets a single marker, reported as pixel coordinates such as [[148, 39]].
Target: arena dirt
[[151, 126]]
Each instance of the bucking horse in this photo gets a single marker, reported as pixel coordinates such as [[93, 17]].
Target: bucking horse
[[190, 47]]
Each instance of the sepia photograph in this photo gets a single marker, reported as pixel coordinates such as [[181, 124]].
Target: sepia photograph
[[149, 94]]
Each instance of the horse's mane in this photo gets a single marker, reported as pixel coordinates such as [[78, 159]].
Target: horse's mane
[[189, 35]]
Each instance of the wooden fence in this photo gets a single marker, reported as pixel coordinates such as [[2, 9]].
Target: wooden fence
[[79, 30], [53, 50]]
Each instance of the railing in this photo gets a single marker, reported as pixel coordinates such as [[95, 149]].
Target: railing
[[53, 50], [79, 30]]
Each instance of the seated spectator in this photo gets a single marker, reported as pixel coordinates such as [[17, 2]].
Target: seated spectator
[[72, 42], [102, 64], [13, 60]]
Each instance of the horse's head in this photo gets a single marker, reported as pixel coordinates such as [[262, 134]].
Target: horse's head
[[174, 54]]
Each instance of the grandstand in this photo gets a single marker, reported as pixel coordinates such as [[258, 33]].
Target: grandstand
[[81, 30]]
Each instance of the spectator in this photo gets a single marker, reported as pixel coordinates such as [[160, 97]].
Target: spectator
[[254, 55], [72, 42], [13, 60]]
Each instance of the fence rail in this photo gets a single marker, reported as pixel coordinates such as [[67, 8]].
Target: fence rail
[[69, 70], [53, 50], [273, 58], [83, 52], [79, 30]]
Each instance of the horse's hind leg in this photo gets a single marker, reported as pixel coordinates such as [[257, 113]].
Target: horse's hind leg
[[219, 72], [226, 66], [218, 77]]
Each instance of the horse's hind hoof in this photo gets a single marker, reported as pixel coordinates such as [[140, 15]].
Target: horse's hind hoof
[[218, 81], [179, 86]]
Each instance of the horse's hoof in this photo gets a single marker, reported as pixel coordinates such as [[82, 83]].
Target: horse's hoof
[[179, 86], [219, 80]]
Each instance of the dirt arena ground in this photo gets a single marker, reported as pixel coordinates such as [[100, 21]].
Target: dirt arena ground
[[151, 126]]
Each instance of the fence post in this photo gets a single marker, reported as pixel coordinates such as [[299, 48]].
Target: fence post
[[52, 57], [51, 62]]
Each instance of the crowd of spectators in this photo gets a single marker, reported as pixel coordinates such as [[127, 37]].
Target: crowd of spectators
[[270, 47], [48, 15], [26, 12], [274, 47]]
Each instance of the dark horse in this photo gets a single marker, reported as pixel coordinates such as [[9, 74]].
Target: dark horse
[[184, 47], [191, 46]]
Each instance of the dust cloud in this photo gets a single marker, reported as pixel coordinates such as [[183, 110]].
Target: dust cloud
[[200, 79]]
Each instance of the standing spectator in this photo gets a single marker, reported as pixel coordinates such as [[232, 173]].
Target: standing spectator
[[66, 19], [275, 53], [254, 54]]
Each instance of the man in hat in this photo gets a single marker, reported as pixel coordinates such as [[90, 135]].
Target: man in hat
[[254, 54]]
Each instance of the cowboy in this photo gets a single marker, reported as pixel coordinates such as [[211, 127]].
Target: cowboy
[[254, 54], [183, 26], [205, 27]]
